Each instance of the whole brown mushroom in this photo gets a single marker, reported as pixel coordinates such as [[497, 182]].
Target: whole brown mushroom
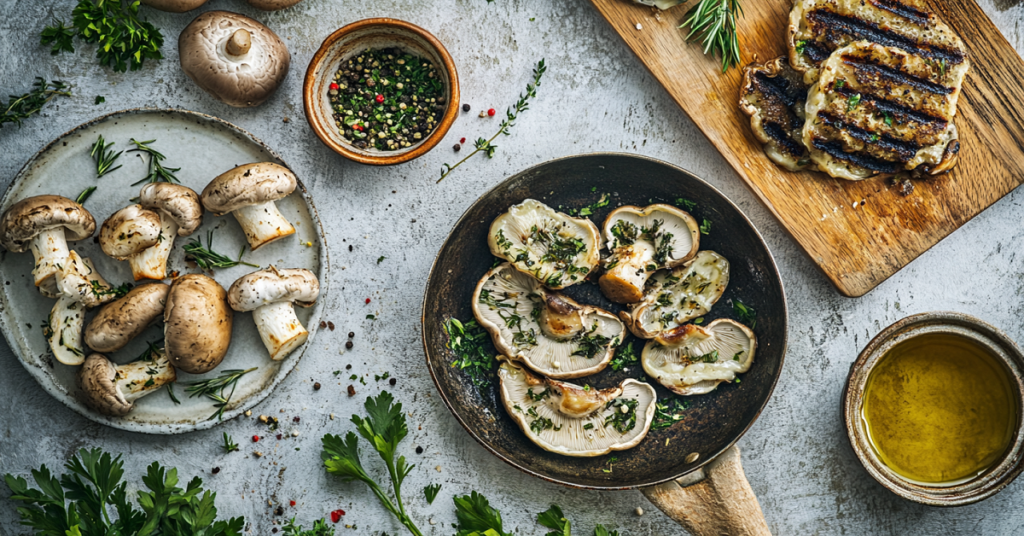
[[124, 319], [234, 58], [249, 192], [197, 324], [272, 5], [174, 6]]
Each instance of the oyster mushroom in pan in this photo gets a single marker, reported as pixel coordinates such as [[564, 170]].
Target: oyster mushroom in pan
[[81, 287], [45, 224], [693, 360], [557, 249], [674, 297], [113, 389], [549, 332], [642, 241], [577, 421]]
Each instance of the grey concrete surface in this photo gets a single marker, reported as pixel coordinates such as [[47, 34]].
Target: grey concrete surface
[[596, 97]]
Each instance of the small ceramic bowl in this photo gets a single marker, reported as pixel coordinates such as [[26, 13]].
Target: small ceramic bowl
[[353, 39], [1004, 471]]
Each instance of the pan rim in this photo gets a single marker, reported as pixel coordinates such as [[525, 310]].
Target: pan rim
[[565, 482]]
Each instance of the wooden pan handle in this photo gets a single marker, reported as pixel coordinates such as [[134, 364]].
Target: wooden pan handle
[[715, 501]]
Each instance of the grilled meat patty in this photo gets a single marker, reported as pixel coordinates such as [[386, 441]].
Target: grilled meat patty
[[878, 110], [773, 95], [819, 27]]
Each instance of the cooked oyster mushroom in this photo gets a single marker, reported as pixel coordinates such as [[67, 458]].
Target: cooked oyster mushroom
[[549, 332], [691, 360], [557, 249], [81, 287], [642, 241], [677, 296], [577, 421]]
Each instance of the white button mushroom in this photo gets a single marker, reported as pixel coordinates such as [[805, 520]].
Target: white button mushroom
[[234, 58], [174, 6], [113, 389], [44, 224], [80, 287], [270, 294], [180, 215], [124, 319], [129, 231], [197, 324], [249, 192]]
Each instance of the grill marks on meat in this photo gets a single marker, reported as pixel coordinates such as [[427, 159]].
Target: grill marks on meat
[[773, 95]]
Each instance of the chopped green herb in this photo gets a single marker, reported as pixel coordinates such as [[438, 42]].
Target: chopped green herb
[[157, 172], [430, 492], [208, 259], [686, 203], [668, 413], [371, 317], [744, 313], [853, 102], [705, 227], [380, 259], [214, 388], [229, 445], [20, 107], [100, 99], [800, 46], [611, 461], [624, 357], [474, 354], [623, 419]]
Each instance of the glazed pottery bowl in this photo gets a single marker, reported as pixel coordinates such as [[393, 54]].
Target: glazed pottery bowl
[[957, 493], [352, 39]]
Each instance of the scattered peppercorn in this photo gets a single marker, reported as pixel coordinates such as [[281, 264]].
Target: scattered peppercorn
[[292, 503], [316, 386], [351, 390], [323, 325], [351, 334], [465, 107], [463, 140], [419, 450], [274, 530], [279, 436], [279, 511], [367, 300], [295, 419], [348, 367], [330, 325], [392, 381], [348, 345], [336, 515], [215, 470], [491, 112], [457, 147], [350, 247], [255, 438]]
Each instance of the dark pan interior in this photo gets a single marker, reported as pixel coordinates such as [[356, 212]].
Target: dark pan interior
[[713, 422]]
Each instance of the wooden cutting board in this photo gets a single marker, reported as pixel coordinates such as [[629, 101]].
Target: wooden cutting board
[[858, 233]]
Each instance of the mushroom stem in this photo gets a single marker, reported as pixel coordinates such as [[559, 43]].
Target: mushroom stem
[[624, 282], [279, 328], [263, 224], [239, 42], [151, 263], [65, 330], [50, 250], [140, 378]]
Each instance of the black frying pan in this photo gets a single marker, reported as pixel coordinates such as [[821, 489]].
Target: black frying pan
[[713, 422]]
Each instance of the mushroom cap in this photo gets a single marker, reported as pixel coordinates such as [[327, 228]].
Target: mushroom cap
[[125, 318], [197, 323], [263, 287], [693, 360], [553, 247], [98, 381], [272, 5], [129, 231], [674, 297], [250, 184], [577, 421], [548, 332], [33, 215], [174, 6], [180, 203], [244, 80]]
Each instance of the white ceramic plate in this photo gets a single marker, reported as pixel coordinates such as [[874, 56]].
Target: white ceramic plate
[[203, 147]]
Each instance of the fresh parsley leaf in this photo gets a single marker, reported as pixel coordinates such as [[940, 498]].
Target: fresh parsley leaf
[[686, 203], [476, 517], [745, 313], [320, 528], [553, 518], [601, 531], [123, 40], [705, 228], [380, 259], [430, 492], [624, 357]]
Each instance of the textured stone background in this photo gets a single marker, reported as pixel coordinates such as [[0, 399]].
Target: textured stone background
[[596, 97]]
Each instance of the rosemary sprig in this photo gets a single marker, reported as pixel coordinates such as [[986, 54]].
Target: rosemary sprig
[[213, 388], [104, 157], [20, 107], [170, 393], [511, 114], [229, 444], [207, 258], [152, 349], [157, 171], [713, 23], [84, 196]]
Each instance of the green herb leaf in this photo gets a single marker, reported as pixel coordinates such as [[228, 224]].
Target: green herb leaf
[[430, 492], [83, 197], [553, 518], [214, 389], [229, 445], [100, 99], [744, 313], [157, 172], [624, 357], [320, 528], [380, 259], [852, 102], [705, 227], [123, 40], [104, 157], [476, 517], [599, 530], [474, 352], [20, 107], [208, 259], [713, 23], [686, 203], [668, 413]]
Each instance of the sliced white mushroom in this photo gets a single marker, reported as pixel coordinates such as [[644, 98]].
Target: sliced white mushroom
[[553, 247], [674, 297], [642, 241], [80, 287], [549, 332], [113, 389], [571, 420], [693, 360]]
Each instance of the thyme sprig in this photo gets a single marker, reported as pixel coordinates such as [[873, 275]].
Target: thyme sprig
[[488, 146], [104, 157], [208, 259], [713, 23], [124, 41], [20, 107], [157, 171], [214, 388]]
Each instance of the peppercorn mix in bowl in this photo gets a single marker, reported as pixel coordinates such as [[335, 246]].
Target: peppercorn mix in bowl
[[381, 91]]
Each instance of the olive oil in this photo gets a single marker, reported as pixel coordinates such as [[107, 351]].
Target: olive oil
[[939, 408]]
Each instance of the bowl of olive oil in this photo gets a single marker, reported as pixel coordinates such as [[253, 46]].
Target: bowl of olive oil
[[933, 409]]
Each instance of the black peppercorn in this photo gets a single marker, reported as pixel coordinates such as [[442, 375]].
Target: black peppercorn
[[457, 147], [348, 345], [316, 386], [393, 381], [465, 107], [351, 334], [279, 511], [350, 247], [419, 450], [215, 470]]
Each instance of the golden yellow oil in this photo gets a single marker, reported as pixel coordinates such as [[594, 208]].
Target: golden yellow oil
[[939, 408]]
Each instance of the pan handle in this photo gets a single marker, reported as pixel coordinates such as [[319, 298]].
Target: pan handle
[[712, 501]]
